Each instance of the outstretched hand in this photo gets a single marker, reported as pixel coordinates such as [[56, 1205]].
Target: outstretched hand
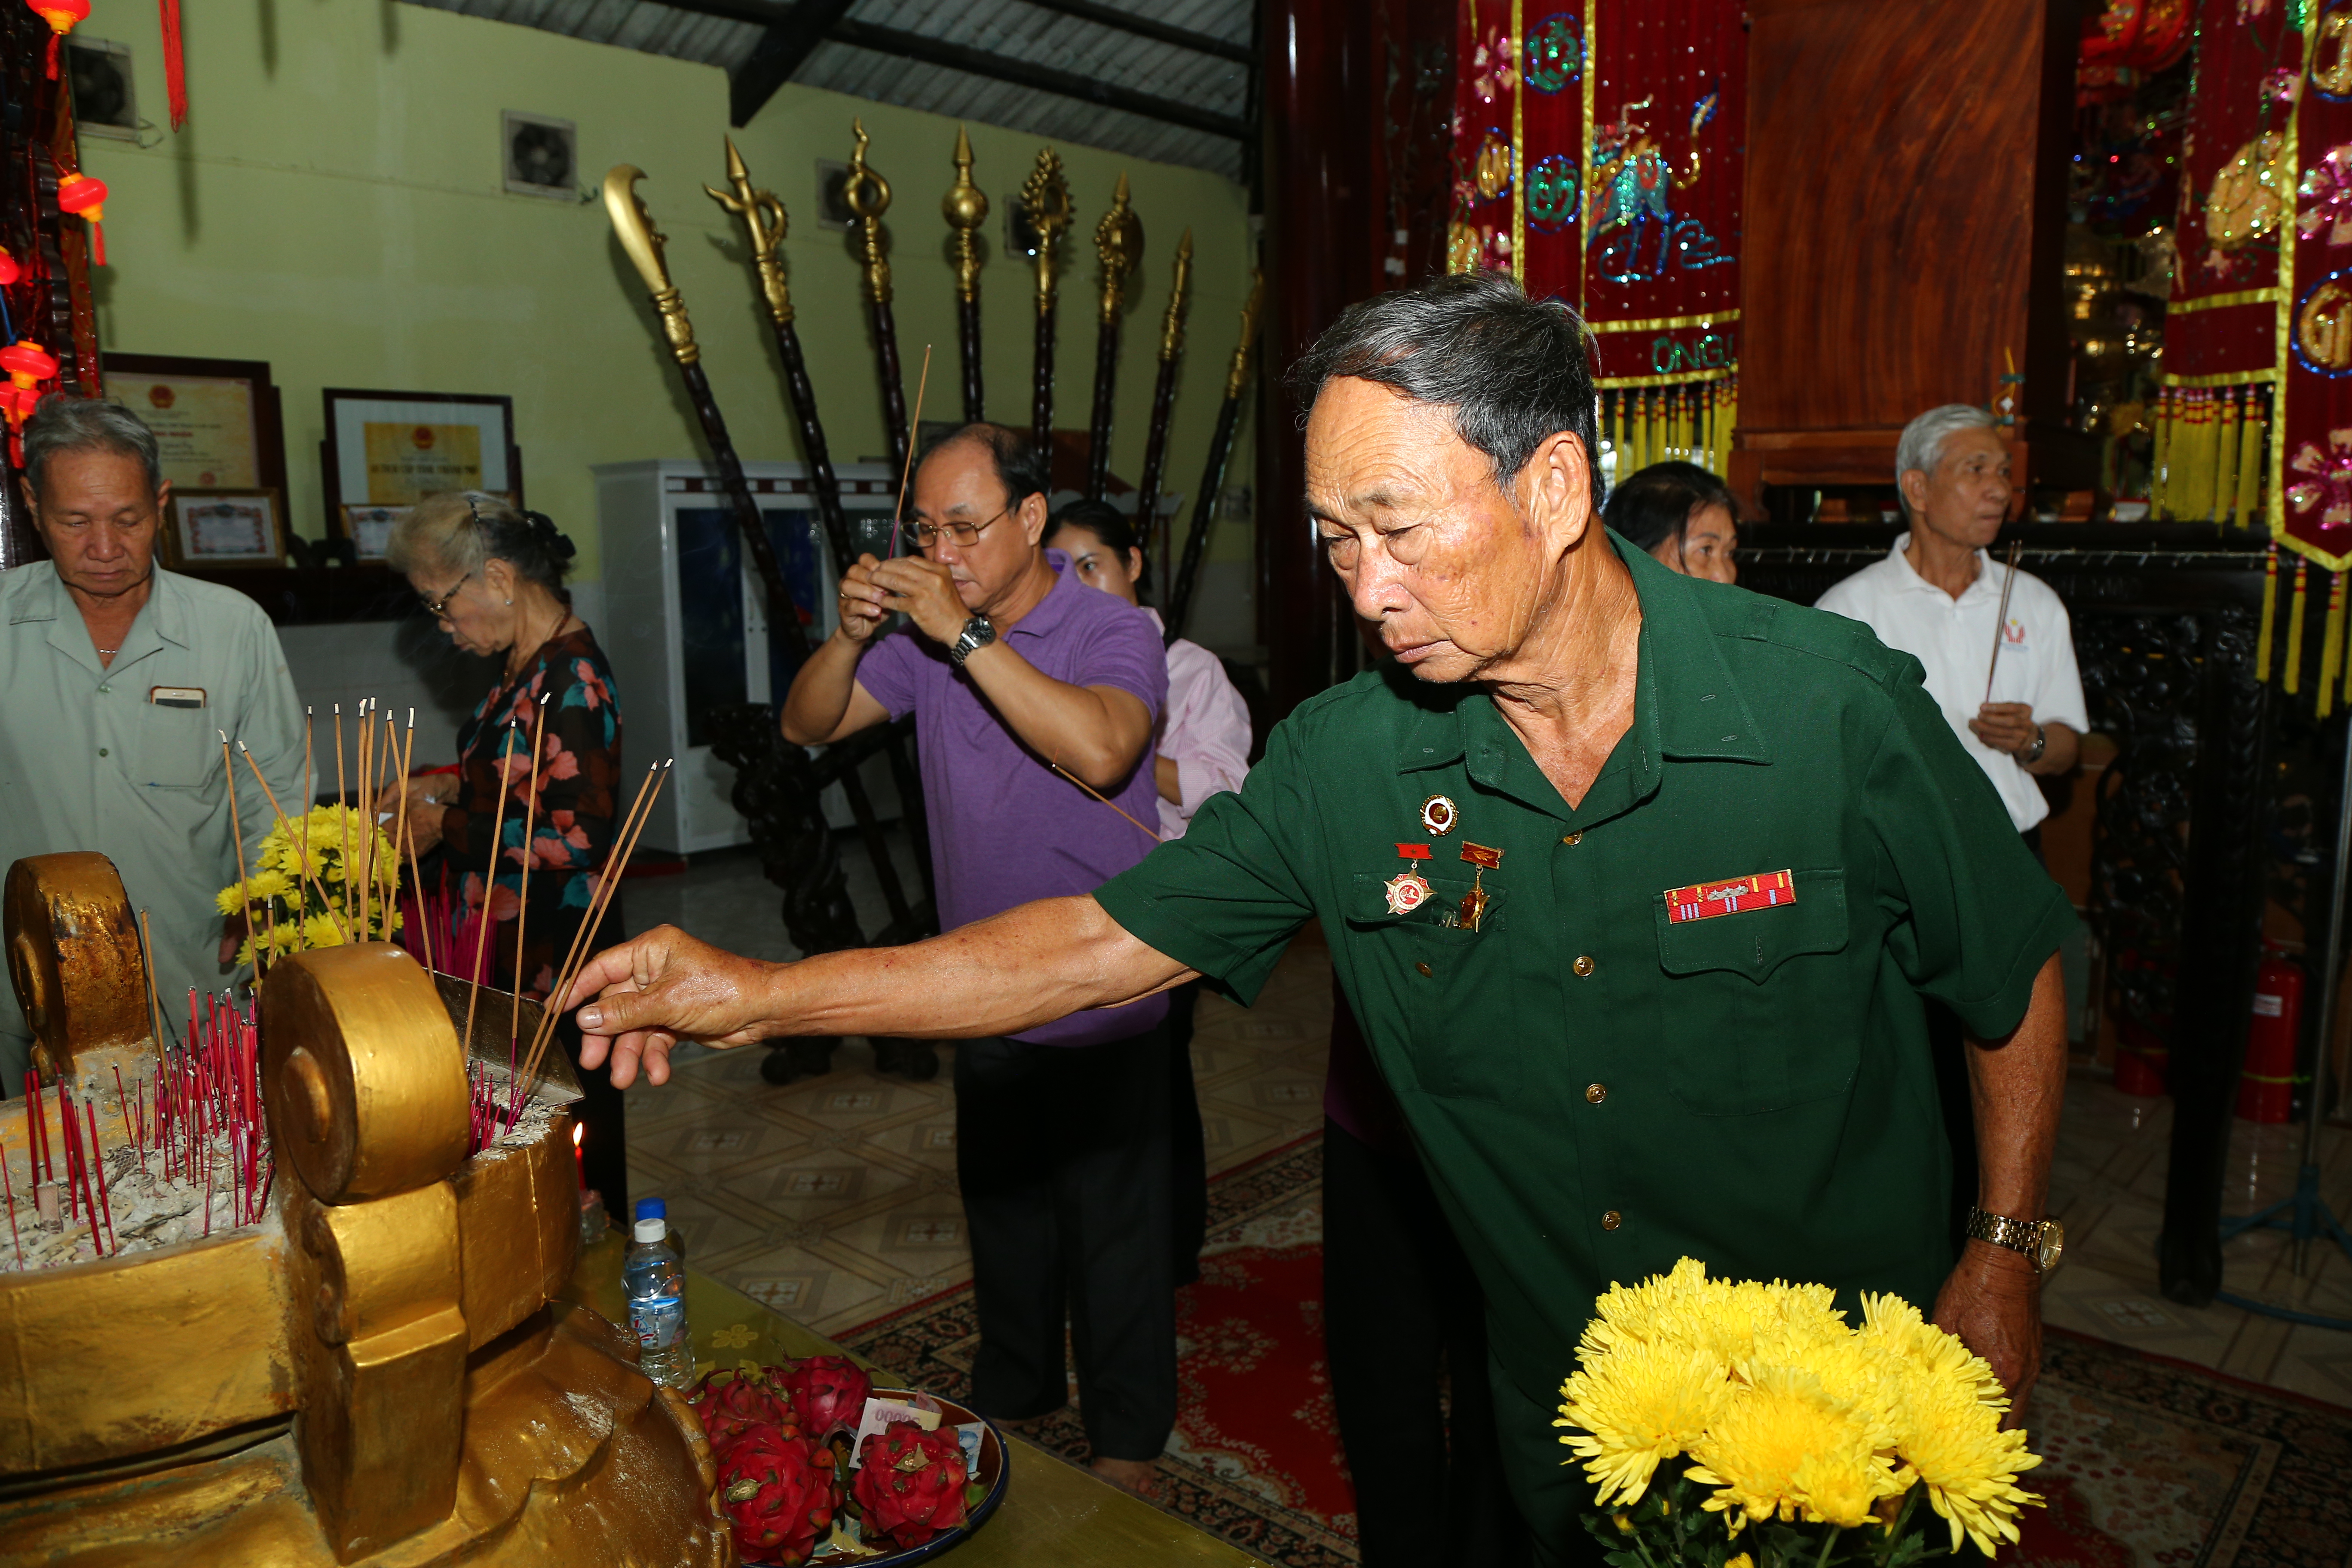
[[658, 989]]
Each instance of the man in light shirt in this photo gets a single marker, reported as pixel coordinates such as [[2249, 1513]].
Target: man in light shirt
[[1937, 596]]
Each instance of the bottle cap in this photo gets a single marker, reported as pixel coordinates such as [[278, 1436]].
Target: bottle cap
[[652, 1208], [653, 1229]]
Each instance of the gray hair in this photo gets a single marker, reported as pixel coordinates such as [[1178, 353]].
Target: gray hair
[[1513, 370], [1922, 446], [66, 423], [463, 531]]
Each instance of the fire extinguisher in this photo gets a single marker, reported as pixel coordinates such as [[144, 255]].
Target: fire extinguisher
[[2266, 1088]]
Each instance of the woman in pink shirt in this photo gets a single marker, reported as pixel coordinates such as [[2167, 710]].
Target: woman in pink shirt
[[1203, 747]]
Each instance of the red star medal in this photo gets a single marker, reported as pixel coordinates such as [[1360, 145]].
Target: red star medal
[[1408, 890]]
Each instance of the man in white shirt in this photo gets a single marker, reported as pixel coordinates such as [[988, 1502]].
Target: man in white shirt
[[1937, 596]]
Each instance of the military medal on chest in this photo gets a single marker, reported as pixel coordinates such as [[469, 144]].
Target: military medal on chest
[[1407, 890], [1474, 902]]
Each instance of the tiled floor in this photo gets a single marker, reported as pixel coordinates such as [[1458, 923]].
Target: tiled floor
[[834, 1200], [2108, 1187]]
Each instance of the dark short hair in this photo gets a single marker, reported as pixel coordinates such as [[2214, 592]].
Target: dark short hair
[[1513, 370], [1019, 464], [1657, 503], [1106, 522], [67, 424]]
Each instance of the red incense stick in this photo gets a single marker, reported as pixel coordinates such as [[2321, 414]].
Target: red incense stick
[[105, 1198], [8, 1189]]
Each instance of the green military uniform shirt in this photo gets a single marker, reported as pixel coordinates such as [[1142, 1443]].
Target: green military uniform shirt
[[1596, 1088], [89, 761]]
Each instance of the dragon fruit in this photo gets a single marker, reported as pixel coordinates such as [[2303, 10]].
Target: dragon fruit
[[826, 1391], [731, 1403], [778, 1490], [910, 1483]]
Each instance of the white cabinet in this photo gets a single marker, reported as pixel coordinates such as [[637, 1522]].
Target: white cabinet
[[686, 621]]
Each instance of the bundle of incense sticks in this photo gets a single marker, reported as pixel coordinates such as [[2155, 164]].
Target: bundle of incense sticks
[[180, 1151]]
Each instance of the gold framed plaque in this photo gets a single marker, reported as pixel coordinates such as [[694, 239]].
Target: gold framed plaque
[[207, 528], [392, 449], [218, 422]]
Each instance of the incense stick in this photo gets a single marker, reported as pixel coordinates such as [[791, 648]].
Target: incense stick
[[415, 872], [522, 905], [310, 787], [154, 1002], [921, 385], [237, 829], [573, 956], [1152, 833], [2001, 620], [244, 752], [343, 806], [490, 881], [586, 944]]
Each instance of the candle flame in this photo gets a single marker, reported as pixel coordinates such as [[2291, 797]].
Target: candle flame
[[578, 1129]]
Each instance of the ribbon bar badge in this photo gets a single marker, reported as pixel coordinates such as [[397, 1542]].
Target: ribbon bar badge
[[1704, 900]]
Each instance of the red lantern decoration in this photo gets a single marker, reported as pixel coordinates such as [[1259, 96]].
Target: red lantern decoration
[[10, 271], [61, 16], [85, 197], [28, 365]]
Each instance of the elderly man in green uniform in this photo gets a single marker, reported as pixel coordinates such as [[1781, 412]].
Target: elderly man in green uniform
[[116, 681], [1637, 882]]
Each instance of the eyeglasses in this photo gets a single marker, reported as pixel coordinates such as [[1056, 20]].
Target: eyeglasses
[[965, 535], [439, 608]]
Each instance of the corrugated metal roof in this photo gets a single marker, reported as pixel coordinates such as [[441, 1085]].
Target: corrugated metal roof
[[1014, 29]]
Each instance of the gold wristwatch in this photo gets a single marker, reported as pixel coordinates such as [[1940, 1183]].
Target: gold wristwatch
[[2041, 1240]]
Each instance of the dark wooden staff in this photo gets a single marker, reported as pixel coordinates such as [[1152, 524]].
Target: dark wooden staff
[[965, 207], [869, 196], [1045, 198], [1118, 246], [644, 243], [1163, 405], [1212, 476], [764, 221]]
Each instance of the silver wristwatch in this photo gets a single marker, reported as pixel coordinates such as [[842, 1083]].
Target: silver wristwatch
[[2041, 1240], [2041, 744], [978, 633]]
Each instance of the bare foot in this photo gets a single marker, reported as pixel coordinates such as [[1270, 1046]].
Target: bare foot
[[1138, 1476]]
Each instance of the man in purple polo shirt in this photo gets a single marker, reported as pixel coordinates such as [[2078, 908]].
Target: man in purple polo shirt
[[1011, 665]]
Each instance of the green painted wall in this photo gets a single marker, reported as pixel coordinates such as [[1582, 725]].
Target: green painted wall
[[335, 206]]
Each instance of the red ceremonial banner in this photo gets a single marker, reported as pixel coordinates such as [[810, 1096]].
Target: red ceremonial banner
[[1599, 155]]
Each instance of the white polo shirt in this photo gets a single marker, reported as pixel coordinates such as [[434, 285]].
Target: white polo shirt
[[1952, 639]]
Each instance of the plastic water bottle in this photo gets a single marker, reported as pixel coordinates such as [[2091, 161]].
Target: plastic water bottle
[[657, 1209], [657, 1287]]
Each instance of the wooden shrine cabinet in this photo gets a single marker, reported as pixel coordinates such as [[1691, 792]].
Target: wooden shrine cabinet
[[1904, 220]]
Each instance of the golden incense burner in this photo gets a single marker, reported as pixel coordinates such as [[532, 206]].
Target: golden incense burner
[[374, 1368]]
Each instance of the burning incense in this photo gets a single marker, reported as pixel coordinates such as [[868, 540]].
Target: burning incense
[[1149, 832], [244, 873], [522, 905], [584, 945], [490, 881], [415, 872], [907, 470], [342, 798], [2001, 620]]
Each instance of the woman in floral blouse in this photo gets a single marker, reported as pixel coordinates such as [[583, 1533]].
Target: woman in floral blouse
[[493, 577]]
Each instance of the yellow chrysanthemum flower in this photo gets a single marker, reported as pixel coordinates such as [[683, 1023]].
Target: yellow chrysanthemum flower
[[1947, 1437], [319, 930], [1632, 1314], [1894, 1326], [1783, 1446], [1637, 1407]]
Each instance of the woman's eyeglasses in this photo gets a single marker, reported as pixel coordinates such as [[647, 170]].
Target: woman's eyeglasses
[[965, 535], [439, 608]]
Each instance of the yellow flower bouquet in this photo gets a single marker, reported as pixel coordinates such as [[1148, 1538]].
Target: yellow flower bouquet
[[1703, 1408], [302, 895]]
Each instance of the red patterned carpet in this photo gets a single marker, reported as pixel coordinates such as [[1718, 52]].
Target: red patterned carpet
[[2148, 1463]]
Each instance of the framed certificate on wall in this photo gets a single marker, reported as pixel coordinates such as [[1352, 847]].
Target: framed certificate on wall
[[225, 528], [391, 449], [218, 422]]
